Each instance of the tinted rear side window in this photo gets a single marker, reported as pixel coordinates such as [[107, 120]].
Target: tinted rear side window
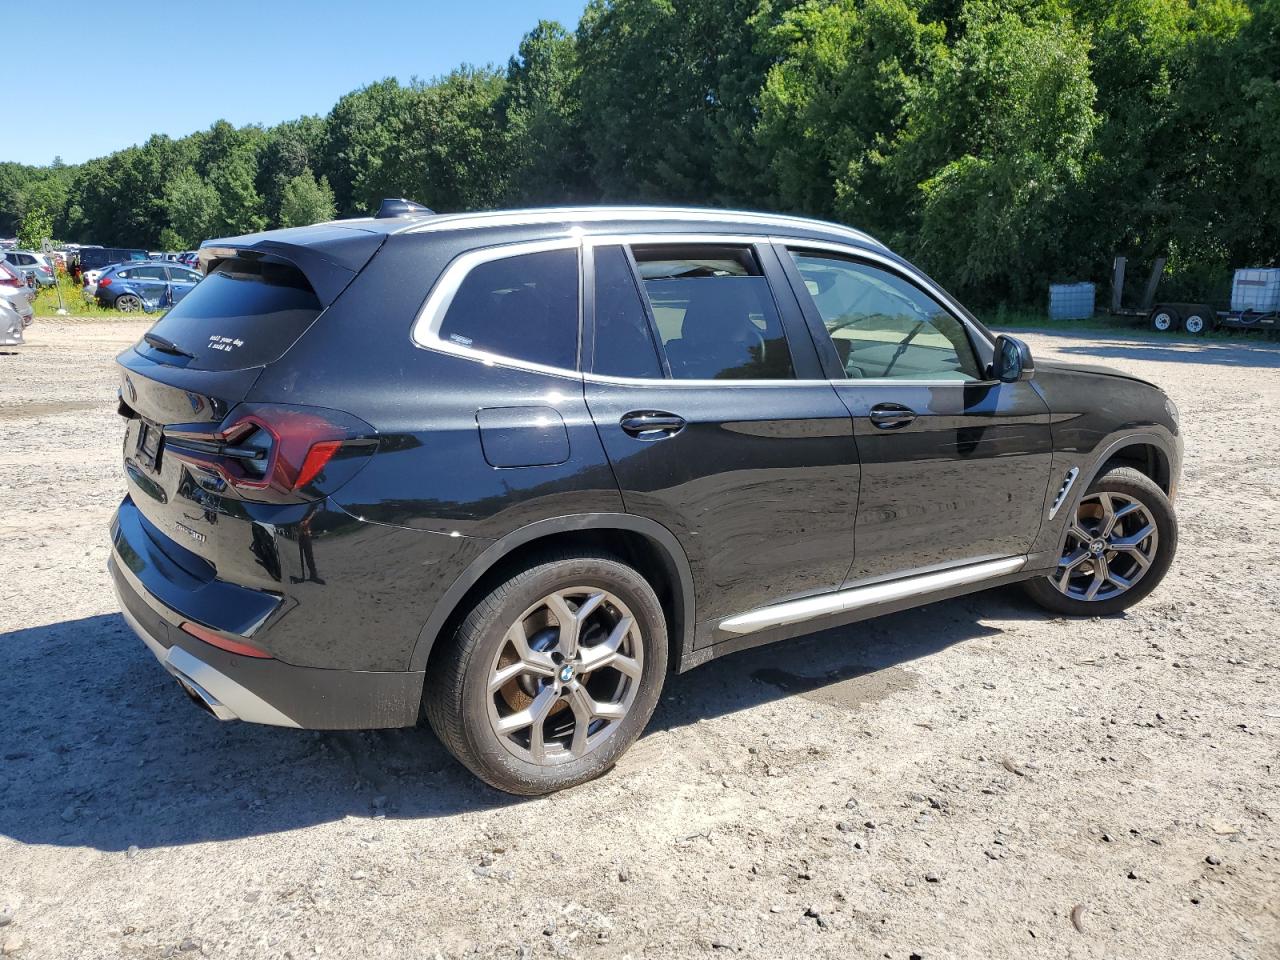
[[245, 313], [524, 307], [624, 338], [714, 312]]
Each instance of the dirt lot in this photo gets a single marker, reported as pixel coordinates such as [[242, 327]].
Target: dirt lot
[[950, 782]]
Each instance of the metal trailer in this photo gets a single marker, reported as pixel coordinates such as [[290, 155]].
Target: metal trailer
[[1191, 317]]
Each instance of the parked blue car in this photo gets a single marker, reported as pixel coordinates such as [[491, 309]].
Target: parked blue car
[[146, 286]]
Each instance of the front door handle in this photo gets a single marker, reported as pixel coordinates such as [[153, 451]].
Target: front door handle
[[651, 424], [891, 416]]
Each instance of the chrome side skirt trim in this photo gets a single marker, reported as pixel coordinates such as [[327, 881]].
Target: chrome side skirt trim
[[855, 598], [1067, 483]]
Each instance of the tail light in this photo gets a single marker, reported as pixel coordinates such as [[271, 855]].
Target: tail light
[[104, 282], [276, 453]]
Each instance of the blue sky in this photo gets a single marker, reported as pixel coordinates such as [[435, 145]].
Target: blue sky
[[110, 76]]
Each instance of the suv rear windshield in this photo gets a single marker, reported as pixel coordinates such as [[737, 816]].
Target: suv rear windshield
[[245, 313]]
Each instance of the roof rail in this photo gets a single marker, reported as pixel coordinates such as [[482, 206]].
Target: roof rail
[[594, 214]]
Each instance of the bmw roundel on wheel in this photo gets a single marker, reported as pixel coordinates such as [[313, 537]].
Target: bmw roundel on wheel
[[508, 471]]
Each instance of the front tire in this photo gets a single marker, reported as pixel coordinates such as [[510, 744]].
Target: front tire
[[1163, 320], [1116, 550], [1195, 323], [552, 675]]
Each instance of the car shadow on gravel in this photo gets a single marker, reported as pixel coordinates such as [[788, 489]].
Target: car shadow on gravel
[[100, 748]]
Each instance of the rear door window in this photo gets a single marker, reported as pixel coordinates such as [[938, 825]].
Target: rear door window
[[244, 314], [714, 312], [624, 344]]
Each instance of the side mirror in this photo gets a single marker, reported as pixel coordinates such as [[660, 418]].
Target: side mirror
[[1012, 360]]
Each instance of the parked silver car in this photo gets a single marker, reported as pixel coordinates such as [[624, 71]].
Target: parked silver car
[[31, 263], [16, 314]]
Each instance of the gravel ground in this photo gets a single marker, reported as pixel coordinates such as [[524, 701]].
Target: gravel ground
[[974, 779]]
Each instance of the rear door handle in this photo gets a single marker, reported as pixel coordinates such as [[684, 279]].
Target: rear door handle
[[651, 424], [891, 416]]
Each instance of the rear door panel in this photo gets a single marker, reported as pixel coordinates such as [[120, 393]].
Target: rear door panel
[[759, 485]]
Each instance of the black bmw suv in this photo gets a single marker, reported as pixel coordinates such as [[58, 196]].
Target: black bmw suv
[[507, 470]]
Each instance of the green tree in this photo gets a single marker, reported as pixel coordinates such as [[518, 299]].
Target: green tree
[[306, 201], [289, 150], [170, 239], [36, 227], [540, 109], [193, 208], [453, 152], [229, 159], [836, 100], [996, 138], [360, 132], [668, 92]]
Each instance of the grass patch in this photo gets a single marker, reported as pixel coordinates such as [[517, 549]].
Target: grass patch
[[46, 303]]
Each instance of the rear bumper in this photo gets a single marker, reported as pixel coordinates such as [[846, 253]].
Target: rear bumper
[[234, 687]]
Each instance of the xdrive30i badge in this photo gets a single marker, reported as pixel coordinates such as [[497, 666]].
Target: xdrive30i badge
[[195, 535]]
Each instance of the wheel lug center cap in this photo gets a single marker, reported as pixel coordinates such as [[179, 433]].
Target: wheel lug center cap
[[1097, 547], [566, 673]]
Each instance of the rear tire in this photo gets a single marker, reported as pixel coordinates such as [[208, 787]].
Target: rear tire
[[1116, 550], [1195, 323], [128, 303], [531, 693]]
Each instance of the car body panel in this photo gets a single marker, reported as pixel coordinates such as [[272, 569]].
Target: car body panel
[[964, 481]]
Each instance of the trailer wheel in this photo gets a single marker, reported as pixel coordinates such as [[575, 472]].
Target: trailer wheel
[[1163, 319], [1195, 323]]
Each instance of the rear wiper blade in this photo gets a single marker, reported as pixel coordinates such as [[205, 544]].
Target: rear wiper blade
[[166, 345]]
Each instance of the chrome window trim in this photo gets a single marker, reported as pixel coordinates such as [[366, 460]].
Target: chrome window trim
[[674, 239], [572, 215], [425, 332], [673, 382], [905, 382], [912, 276]]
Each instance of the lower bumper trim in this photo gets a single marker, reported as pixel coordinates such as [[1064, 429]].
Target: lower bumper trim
[[235, 687], [224, 698]]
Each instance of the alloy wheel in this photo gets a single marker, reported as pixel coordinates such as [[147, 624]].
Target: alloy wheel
[[1109, 547], [565, 675]]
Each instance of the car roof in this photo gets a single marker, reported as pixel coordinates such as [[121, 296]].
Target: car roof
[[591, 219], [629, 218], [140, 263]]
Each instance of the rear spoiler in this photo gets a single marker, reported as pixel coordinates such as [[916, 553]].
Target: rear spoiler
[[328, 255]]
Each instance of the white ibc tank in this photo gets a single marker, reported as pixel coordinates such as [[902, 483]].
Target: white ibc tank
[[1257, 289]]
